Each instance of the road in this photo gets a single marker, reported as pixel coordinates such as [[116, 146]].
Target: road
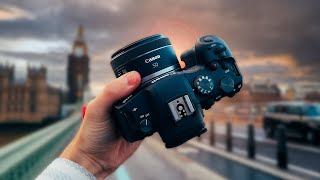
[[225, 167], [303, 158], [145, 164], [153, 161], [149, 163]]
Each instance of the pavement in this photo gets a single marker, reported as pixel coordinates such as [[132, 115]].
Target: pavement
[[198, 160], [153, 161], [232, 166], [304, 159]]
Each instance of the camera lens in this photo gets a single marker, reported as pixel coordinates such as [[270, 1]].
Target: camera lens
[[152, 56]]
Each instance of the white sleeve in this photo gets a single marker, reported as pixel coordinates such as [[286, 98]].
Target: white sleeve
[[63, 169]]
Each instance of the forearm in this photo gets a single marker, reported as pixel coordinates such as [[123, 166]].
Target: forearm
[[62, 168]]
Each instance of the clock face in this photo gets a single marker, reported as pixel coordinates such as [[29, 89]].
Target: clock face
[[78, 51]]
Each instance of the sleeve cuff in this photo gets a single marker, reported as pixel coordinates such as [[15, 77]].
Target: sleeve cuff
[[62, 168]]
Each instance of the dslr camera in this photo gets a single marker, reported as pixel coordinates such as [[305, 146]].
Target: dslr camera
[[170, 99]]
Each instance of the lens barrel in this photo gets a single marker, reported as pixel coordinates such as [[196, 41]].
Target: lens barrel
[[151, 57]]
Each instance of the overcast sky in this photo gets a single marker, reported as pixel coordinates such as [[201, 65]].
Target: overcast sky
[[276, 40]]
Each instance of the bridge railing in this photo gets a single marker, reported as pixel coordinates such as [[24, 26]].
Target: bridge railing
[[28, 156]]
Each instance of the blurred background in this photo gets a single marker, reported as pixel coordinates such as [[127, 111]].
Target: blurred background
[[55, 57]]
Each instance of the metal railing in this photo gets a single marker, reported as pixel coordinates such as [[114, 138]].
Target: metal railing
[[28, 156]]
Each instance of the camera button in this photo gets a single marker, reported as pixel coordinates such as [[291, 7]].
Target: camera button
[[214, 66], [224, 65], [208, 39], [145, 126]]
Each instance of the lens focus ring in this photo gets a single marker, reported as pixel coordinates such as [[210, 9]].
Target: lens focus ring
[[151, 57], [135, 49]]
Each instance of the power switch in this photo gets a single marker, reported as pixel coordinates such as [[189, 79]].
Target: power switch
[[145, 126]]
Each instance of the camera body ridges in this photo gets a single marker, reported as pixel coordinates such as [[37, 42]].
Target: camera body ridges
[[170, 99]]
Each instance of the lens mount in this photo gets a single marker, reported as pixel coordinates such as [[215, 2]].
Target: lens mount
[[151, 57]]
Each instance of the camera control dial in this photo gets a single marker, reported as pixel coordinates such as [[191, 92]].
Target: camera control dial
[[219, 50], [204, 84], [227, 84]]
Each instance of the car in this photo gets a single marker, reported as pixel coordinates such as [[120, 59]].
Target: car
[[300, 119]]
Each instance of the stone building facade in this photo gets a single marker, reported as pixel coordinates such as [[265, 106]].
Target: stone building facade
[[29, 101]]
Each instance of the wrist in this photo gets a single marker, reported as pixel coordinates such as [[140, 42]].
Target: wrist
[[85, 160]]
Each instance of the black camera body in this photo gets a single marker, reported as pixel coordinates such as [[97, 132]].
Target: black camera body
[[170, 99]]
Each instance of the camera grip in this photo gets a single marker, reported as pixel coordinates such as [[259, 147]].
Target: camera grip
[[134, 119]]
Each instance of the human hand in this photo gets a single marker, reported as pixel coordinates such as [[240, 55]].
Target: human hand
[[97, 146]]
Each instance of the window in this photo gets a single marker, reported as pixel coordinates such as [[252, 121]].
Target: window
[[0, 97], [312, 110], [9, 100], [271, 109], [280, 109], [294, 110], [33, 101]]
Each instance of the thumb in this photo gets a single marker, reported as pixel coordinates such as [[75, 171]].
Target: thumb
[[114, 91]]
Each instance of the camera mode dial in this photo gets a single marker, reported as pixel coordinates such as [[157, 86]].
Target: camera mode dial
[[204, 84]]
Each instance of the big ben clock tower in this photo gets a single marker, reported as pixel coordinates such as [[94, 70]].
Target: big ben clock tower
[[78, 68]]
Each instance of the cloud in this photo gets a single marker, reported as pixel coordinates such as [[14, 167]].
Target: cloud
[[27, 45], [268, 38], [9, 13]]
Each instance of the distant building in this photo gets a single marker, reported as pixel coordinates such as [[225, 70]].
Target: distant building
[[261, 93], [29, 101], [255, 95], [313, 96], [78, 68], [290, 94], [304, 88]]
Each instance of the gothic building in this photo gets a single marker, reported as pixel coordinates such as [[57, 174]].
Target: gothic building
[[28, 101], [256, 95], [78, 68]]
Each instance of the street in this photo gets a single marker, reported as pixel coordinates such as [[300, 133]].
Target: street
[[153, 161], [191, 161], [303, 158]]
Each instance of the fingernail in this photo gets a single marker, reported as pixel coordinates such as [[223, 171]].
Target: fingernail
[[131, 78]]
